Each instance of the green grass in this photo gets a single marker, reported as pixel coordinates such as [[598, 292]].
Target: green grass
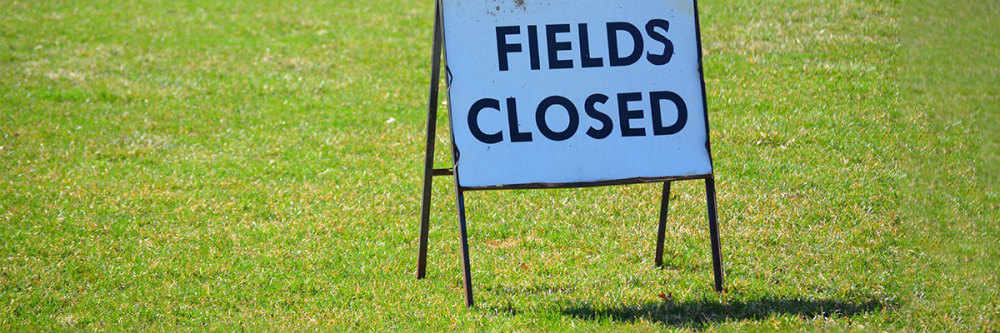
[[245, 164], [952, 211]]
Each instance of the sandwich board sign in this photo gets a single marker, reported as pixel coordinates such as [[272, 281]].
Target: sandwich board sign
[[570, 93]]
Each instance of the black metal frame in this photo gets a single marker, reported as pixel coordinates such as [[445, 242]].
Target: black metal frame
[[430, 172]]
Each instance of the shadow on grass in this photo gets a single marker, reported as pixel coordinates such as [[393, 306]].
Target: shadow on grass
[[699, 314]]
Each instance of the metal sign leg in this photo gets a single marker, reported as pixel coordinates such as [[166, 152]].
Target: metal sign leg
[[466, 267], [662, 230], [432, 103], [713, 227]]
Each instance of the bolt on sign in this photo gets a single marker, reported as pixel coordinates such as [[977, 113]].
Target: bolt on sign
[[568, 93]]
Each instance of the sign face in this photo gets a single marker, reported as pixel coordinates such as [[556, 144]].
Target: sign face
[[571, 92]]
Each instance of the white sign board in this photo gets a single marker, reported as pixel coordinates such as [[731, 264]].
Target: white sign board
[[547, 92]]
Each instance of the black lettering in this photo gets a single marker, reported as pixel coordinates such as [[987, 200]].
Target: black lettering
[[574, 118], [668, 46], [555, 46], [625, 115], [606, 124], [533, 47], [503, 48], [515, 134], [585, 59], [474, 120], [615, 57], [682, 113]]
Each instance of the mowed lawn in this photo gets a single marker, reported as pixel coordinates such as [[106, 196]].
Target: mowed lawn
[[257, 164]]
